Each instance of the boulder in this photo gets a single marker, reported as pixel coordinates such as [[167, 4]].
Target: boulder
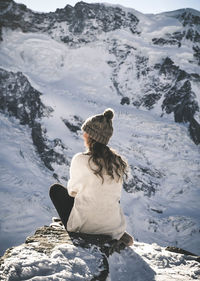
[[57, 250]]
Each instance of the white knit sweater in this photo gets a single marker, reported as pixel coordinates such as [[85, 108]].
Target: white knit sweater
[[96, 207]]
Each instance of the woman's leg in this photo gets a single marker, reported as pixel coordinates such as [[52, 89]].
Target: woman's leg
[[62, 201]]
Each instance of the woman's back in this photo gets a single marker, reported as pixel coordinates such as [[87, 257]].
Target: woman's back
[[96, 207]]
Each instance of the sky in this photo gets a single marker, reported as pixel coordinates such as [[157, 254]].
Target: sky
[[144, 6]]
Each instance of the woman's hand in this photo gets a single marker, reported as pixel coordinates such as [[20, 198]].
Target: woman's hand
[[73, 194]]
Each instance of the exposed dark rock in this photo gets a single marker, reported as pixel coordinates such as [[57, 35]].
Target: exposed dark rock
[[179, 99], [79, 19], [166, 41], [72, 127], [143, 179], [196, 54], [168, 68], [194, 129], [182, 102], [4, 4], [48, 237], [192, 35], [46, 148], [74, 124], [195, 77], [189, 17], [125, 100], [169, 39], [157, 211], [116, 86], [176, 38], [150, 98], [190, 20], [142, 66], [19, 99], [183, 252]]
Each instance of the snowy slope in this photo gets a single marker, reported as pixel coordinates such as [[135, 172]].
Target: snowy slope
[[161, 199], [24, 185]]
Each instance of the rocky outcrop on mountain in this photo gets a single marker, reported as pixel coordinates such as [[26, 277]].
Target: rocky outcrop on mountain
[[182, 102], [74, 123], [184, 252], [165, 81], [79, 24], [19, 99], [179, 98], [123, 55], [47, 149], [194, 129], [169, 39], [44, 245], [196, 54], [190, 19], [143, 179], [52, 253]]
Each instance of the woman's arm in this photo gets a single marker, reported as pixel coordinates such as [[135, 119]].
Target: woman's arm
[[75, 182]]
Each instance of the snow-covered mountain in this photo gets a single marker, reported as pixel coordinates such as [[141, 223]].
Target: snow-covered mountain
[[59, 68]]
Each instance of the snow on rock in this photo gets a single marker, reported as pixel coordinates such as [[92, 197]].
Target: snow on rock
[[53, 254], [20, 99], [151, 262], [72, 25]]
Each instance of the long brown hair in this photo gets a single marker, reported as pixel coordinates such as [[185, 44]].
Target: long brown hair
[[106, 158]]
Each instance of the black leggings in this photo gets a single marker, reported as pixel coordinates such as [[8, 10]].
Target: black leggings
[[62, 201]]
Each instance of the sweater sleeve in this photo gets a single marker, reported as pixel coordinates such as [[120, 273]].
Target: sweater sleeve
[[76, 180]]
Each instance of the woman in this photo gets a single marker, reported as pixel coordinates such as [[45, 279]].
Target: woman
[[90, 204]]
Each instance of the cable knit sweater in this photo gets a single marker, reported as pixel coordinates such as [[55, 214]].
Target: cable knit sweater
[[96, 207]]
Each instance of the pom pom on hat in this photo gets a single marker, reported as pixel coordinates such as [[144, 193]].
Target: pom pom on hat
[[109, 113]]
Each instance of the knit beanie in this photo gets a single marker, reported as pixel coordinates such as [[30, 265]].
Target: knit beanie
[[99, 127]]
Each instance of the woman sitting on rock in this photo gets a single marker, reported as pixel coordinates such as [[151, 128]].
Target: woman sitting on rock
[[90, 204]]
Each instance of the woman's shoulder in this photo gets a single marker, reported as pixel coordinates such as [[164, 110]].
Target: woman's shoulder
[[80, 156]]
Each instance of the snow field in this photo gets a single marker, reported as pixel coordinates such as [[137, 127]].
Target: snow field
[[24, 202]]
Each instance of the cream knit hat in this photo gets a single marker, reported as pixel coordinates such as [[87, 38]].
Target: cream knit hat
[[99, 127]]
